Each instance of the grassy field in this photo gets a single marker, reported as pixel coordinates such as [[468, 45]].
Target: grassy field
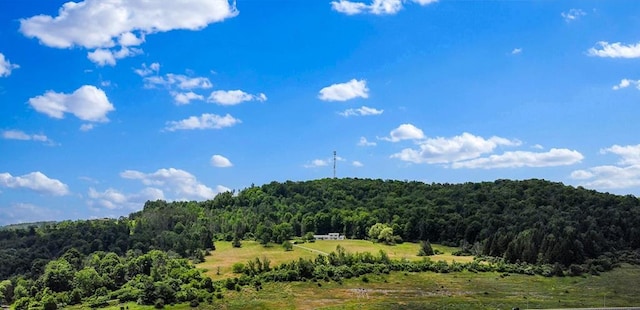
[[225, 255], [462, 290]]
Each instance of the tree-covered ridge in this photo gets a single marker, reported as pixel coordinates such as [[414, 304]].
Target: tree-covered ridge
[[533, 221]]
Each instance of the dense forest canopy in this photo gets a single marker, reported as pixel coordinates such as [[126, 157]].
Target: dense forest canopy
[[533, 221]]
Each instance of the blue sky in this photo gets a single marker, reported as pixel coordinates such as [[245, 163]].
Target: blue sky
[[106, 104]]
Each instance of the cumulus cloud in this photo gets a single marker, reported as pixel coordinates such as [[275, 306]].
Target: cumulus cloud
[[615, 50], [205, 121], [36, 181], [6, 66], [357, 164], [624, 83], [364, 142], [345, 91], [87, 103], [233, 97], [21, 135], [362, 111], [181, 183], [516, 51], [517, 159], [405, 132], [109, 29], [572, 15], [114, 199], [220, 161], [376, 7], [629, 154], [625, 174], [103, 57], [448, 150], [185, 98]]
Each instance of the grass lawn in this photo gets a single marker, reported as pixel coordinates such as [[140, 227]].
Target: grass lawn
[[225, 255], [463, 290]]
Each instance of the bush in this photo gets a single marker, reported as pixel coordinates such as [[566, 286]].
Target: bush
[[194, 303], [287, 245], [425, 249], [159, 304], [238, 268]]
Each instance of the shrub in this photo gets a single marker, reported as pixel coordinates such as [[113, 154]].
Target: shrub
[[238, 268]]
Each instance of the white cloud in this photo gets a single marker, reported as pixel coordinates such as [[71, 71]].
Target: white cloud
[[517, 159], [362, 111], [21, 135], [615, 50], [363, 142], [87, 103], [233, 97], [35, 181], [516, 51], [103, 57], [110, 27], [154, 68], [317, 163], [609, 177], [356, 163], [572, 15], [448, 150], [220, 161], [625, 174], [405, 132], [345, 91], [624, 83], [6, 66], [114, 199], [26, 213], [538, 147], [86, 127], [180, 182], [630, 154], [178, 81], [377, 7], [185, 98], [205, 121]]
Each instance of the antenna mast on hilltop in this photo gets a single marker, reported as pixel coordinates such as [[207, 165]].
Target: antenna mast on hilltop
[[334, 164]]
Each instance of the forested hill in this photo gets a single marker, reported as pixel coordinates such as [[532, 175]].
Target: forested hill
[[533, 221]]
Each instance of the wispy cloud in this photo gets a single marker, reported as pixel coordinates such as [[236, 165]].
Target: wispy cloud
[[362, 111], [624, 83], [21, 135], [6, 66], [364, 142], [376, 7], [572, 15], [517, 159]]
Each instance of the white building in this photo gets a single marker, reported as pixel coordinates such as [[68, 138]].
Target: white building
[[330, 236]]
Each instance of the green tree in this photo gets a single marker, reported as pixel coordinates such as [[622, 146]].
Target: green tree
[[58, 275], [425, 249]]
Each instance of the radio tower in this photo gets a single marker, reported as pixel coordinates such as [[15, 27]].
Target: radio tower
[[334, 164]]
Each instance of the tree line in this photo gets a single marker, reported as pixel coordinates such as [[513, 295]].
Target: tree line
[[530, 221]]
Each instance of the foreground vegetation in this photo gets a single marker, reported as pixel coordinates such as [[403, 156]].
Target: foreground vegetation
[[462, 290]]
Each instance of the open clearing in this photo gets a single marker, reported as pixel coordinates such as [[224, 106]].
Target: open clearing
[[225, 255]]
